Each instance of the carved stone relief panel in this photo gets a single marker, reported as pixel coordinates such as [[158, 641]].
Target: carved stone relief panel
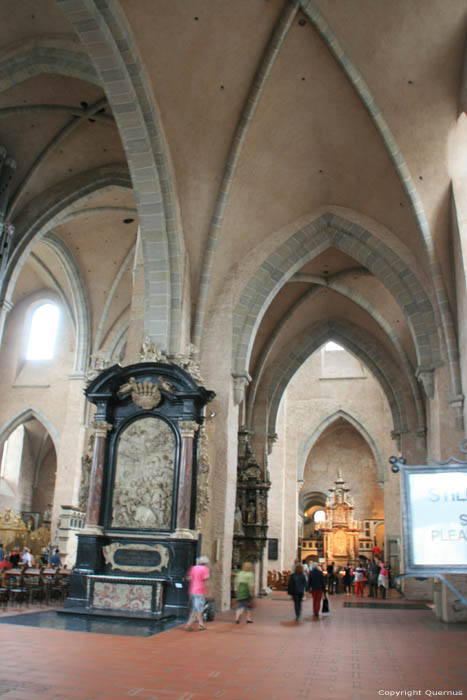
[[144, 472]]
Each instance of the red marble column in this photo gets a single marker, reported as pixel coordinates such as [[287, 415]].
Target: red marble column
[[187, 429], [101, 429]]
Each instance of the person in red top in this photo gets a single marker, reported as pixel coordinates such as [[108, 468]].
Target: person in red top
[[198, 576], [5, 564]]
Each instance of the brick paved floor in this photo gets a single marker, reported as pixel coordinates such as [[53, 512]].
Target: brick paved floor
[[352, 654]]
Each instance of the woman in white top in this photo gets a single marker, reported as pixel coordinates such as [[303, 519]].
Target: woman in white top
[[27, 557], [383, 580]]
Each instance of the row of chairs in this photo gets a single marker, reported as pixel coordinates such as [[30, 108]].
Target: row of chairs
[[278, 580], [26, 586]]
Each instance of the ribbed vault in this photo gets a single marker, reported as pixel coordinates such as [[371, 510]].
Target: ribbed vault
[[337, 283], [361, 344], [395, 272], [49, 208]]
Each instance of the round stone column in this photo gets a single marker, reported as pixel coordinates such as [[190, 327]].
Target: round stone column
[[185, 480], [101, 428]]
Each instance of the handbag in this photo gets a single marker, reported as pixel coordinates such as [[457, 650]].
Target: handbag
[[325, 608]]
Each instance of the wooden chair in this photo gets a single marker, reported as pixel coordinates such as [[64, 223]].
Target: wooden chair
[[3, 590], [17, 591], [58, 585], [35, 584]]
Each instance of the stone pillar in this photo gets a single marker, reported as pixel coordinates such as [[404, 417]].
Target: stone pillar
[[5, 308], [136, 329], [70, 448], [101, 429], [185, 480]]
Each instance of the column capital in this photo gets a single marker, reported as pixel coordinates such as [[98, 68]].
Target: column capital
[[101, 428], [188, 428]]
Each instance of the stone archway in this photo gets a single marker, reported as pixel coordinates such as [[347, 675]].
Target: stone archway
[[29, 465], [327, 420], [367, 248]]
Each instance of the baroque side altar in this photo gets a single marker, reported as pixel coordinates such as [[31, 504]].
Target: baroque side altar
[[340, 531]]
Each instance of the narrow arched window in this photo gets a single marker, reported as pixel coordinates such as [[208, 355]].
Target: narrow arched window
[[43, 332]]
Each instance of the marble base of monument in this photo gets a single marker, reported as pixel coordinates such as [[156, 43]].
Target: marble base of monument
[[137, 576]]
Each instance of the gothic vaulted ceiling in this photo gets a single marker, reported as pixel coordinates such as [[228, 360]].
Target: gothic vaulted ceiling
[[294, 158]]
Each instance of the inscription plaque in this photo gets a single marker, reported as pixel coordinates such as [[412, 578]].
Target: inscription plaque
[[139, 558], [273, 549], [142, 558]]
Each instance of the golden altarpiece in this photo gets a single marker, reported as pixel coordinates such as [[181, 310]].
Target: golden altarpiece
[[341, 533]]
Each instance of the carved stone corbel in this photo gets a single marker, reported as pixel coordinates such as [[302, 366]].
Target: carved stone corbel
[[272, 438], [426, 376], [396, 436], [241, 381], [421, 433]]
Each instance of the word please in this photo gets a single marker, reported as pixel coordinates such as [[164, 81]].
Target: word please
[[449, 535]]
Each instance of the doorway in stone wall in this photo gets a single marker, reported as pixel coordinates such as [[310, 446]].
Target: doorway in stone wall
[[27, 473]]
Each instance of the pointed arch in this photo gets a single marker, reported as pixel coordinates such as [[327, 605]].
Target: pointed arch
[[50, 207], [34, 56], [316, 431], [336, 283], [311, 9], [31, 412], [386, 258], [362, 345], [42, 214], [81, 311], [103, 29]]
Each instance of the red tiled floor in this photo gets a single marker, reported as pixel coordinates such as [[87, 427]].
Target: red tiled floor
[[352, 654]]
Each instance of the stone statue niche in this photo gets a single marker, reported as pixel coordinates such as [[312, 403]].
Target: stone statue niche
[[140, 536]]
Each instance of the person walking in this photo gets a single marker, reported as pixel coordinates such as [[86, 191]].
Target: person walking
[[348, 580], [245, 591], [373, 574], [297, 587], [359, 577], [330, 577], [198, 576], [383, 580], [317, 587]]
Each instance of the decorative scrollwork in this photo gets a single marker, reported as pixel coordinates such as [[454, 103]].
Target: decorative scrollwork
[[144, 394], [202, 495]]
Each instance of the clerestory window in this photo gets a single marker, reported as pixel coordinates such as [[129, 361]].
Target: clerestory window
[[43, 332]]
